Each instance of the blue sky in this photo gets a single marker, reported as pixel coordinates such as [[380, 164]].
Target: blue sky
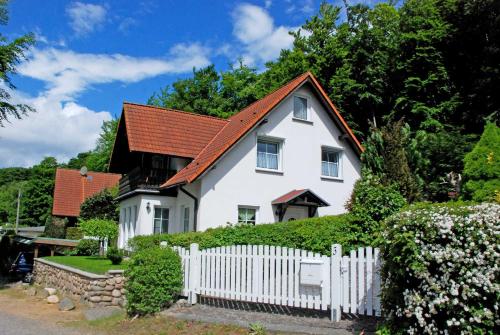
[[92, 56]]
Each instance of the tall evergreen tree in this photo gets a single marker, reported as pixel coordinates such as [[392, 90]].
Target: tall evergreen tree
[[11, 53]]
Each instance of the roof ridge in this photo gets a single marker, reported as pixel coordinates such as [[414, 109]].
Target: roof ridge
[[294, 83], [305, 74], [93, 172], [176, 111]]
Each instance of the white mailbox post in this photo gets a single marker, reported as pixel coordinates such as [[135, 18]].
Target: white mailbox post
[[310, 272]]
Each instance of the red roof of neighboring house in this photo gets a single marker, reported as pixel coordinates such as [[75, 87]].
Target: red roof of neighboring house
[[242, 122], [168, 131], [71, 189]]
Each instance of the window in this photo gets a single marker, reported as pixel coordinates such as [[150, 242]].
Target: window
[[185, 219], [267, 155], [160, 221], [300, 108], [330, 163], [247, 215]]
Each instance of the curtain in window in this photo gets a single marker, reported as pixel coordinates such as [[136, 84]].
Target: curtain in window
[[267, 155], [300, 108], [246, 215], [330, 164]]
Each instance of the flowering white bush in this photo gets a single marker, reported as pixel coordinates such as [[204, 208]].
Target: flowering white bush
[[441, 269]]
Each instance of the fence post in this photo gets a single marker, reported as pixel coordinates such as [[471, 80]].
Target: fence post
[[194, 272], [335, 286]]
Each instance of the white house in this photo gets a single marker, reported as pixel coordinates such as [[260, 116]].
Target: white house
[[287, 156]]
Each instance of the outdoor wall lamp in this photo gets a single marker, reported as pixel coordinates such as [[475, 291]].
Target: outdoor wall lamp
[[148, 206]]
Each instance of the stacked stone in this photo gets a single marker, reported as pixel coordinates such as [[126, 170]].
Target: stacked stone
[[94, 290]]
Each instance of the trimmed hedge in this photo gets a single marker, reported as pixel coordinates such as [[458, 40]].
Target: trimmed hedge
[[441, 269], [315, 234], [154, 280]]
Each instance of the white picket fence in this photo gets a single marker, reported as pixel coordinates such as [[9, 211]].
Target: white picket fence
[[285, 276]]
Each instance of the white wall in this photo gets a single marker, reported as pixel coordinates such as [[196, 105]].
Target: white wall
[[235, 181], [140, 220]]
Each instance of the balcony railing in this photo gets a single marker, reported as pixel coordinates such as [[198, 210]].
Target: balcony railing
[[143, 178]]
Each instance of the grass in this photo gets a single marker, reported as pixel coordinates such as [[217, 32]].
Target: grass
[[94, 264]]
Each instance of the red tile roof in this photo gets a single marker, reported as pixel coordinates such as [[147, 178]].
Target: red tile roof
[[71, 189], [167, 131], [242, 122], [288, 196]]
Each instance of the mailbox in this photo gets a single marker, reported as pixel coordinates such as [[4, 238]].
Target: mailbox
[[311, 272]]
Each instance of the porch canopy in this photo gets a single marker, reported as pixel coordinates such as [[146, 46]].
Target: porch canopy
[[304, 198]]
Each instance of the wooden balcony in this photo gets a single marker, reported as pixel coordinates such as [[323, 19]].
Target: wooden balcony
[[143, 179]]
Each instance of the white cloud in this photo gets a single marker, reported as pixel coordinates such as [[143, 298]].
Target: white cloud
[[255, 29], [67, 73], [85, 18], [59, 129], [62, 127]]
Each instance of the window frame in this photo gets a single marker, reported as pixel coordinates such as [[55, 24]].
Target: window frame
[[299, 96], [245, 207], [270, 140], [340, 169], [161, 219]]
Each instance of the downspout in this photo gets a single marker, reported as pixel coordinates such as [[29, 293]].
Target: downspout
[[195, 219]]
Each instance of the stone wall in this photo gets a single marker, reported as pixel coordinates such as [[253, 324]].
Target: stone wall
[[89, 288]]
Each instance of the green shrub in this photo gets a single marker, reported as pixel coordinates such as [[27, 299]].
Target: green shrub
[[315, 234], [482, 167], [74, 233], [154, 279], [101, 229], [114, 255], [440, 269], [87, 247], [371, 202], [101, 205]]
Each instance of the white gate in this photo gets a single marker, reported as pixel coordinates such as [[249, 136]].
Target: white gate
[[285, 276]]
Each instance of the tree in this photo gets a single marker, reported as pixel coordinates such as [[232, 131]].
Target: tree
[[482, 166], [11, 53], [387, 156], [36, 202], [98, 159], [101, 205], [428, 98], [209, 93], [101, 229]]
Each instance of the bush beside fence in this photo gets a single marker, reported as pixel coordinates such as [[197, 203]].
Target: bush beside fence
[[315, 234], [440, 264]]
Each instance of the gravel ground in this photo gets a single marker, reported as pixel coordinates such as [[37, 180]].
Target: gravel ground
[[273, 318], [17, 325]]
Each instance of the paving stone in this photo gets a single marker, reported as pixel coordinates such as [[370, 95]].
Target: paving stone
[[66, 305], [101, 312]]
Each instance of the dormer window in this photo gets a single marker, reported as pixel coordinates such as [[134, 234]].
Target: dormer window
[[300, 108]]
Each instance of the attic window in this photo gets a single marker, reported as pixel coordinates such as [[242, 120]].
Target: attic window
[[300, 108]]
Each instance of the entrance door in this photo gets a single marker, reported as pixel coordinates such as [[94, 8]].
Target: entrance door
[[295, 213]]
